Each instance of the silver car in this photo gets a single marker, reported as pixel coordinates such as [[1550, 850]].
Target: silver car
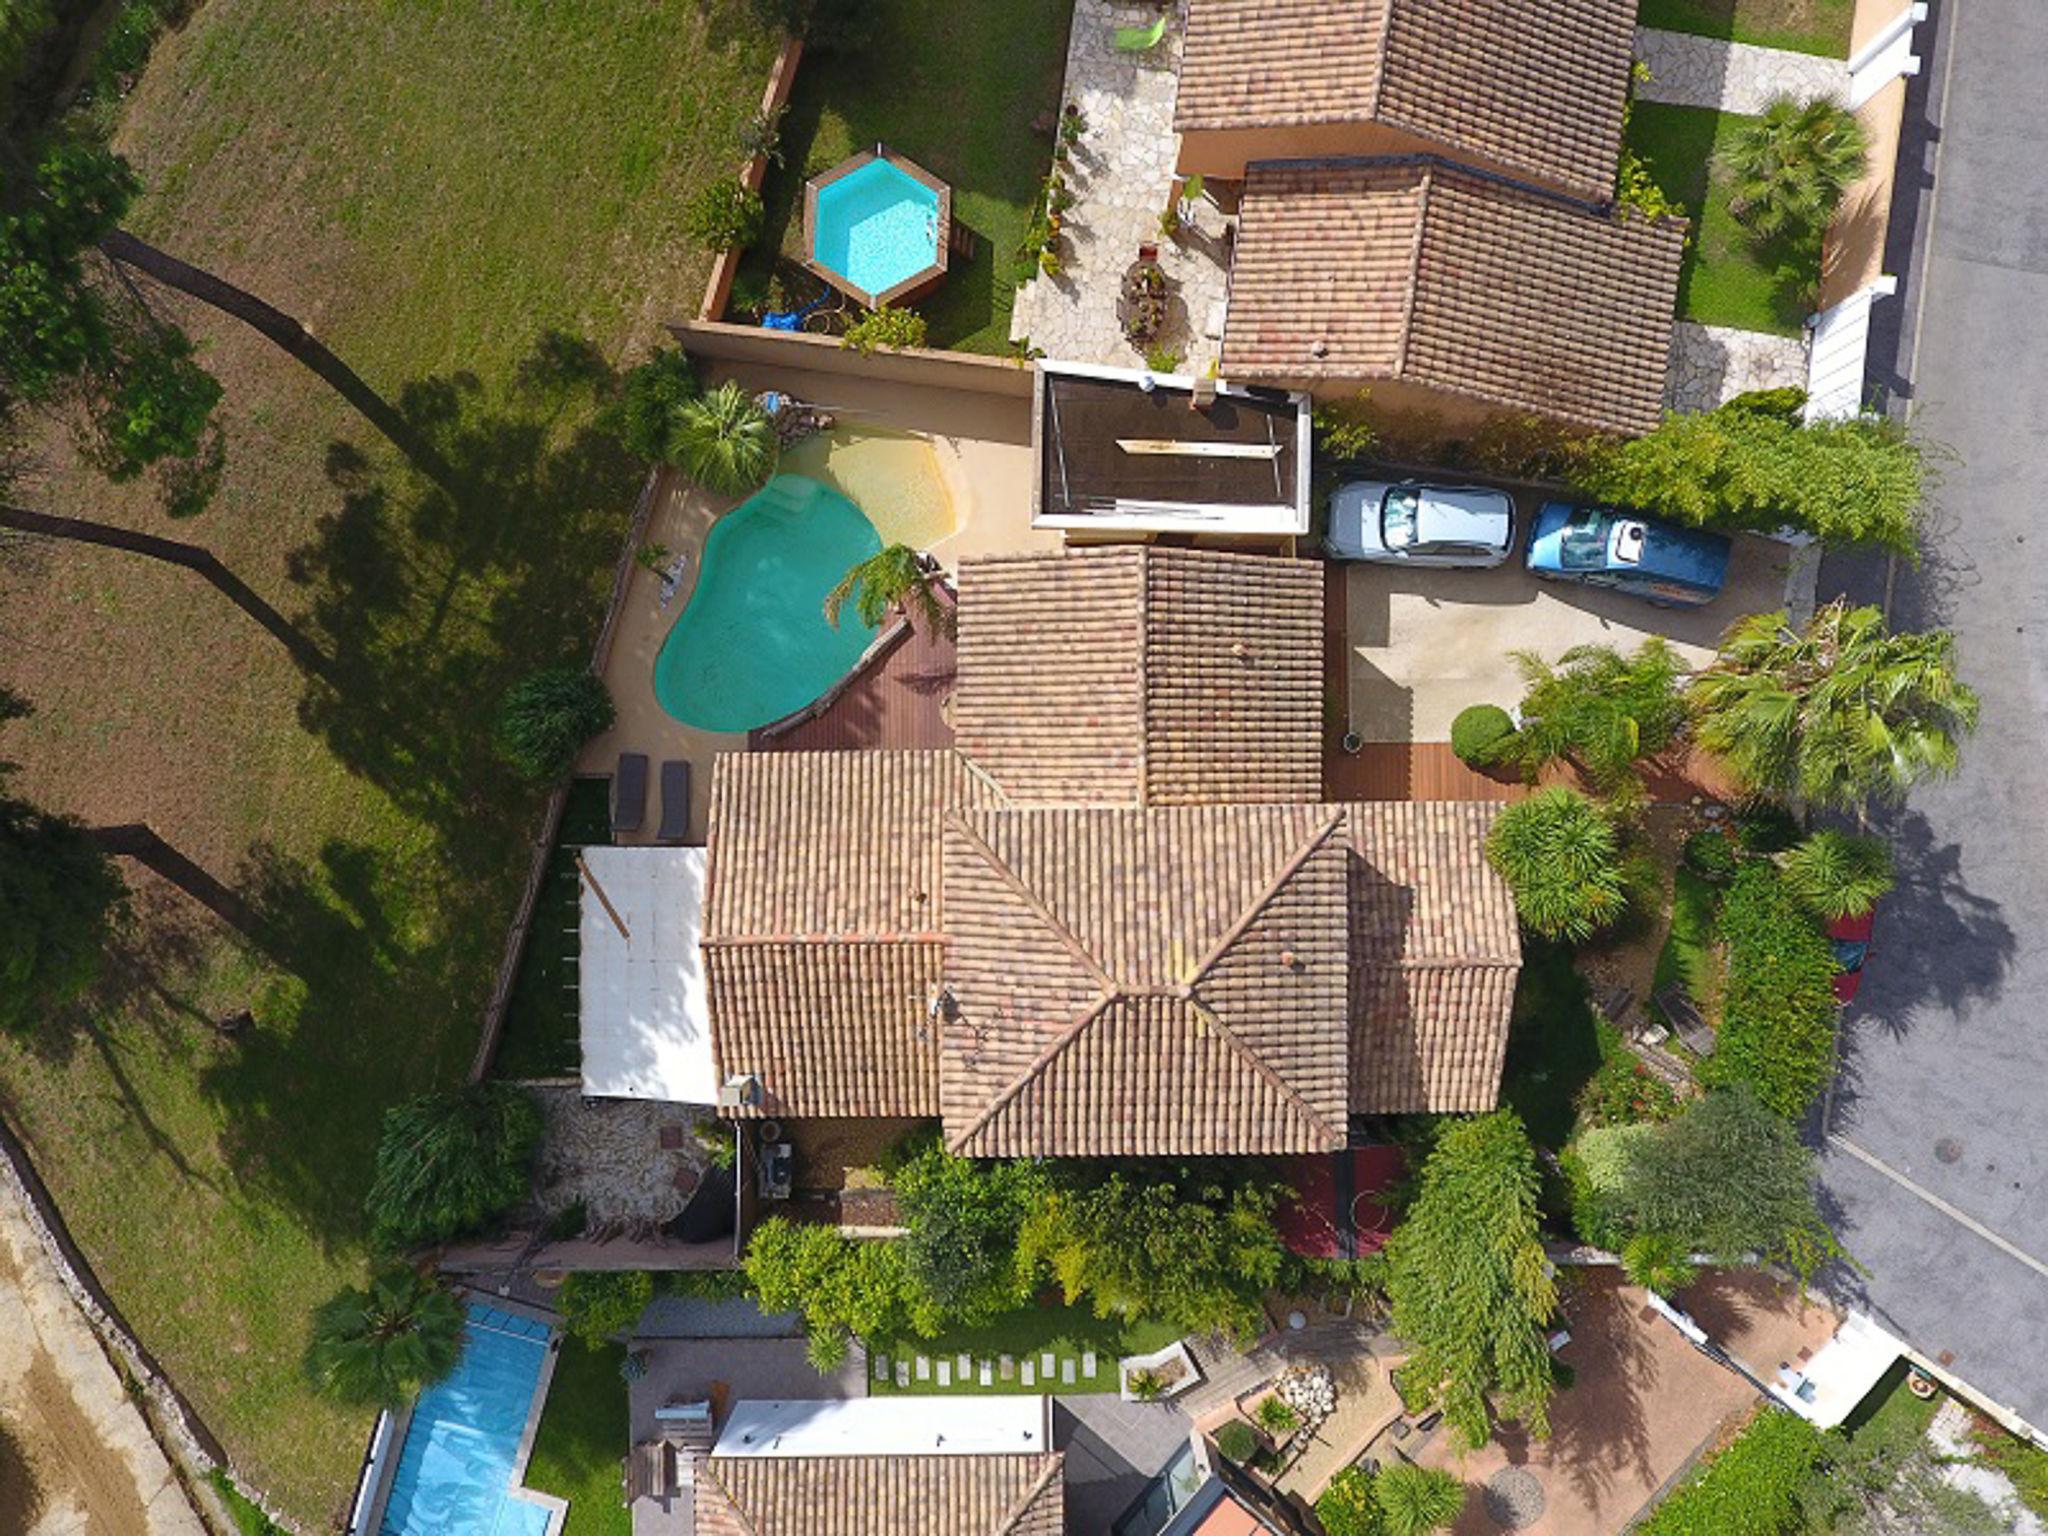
[[1408, 523]]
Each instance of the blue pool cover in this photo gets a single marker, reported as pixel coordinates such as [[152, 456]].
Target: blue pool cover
[[454, 1475]]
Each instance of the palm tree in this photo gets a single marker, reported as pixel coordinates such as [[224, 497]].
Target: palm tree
[[724, 441], [1601, 710], [1840, 713], [1837, 874], [1561, 857], [1788, 168], [893, 580], [383, 1346]]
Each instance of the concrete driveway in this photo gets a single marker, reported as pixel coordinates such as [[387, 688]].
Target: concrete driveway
[[1423, 645]]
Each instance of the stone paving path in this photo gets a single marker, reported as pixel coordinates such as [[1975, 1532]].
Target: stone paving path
[[1687, 71], [1714, 363], [1122, 176]]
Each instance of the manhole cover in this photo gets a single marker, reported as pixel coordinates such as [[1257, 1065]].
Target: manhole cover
[[1514, 1498], [1948, 1150]]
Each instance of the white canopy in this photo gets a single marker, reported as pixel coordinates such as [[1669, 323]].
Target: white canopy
[[641, 1004], [994, 1425]]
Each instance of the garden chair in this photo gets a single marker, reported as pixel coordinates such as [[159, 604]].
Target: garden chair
[[1141, 39], [629, 793]]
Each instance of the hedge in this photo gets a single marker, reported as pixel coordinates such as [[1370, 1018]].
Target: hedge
[[1778, 1012], [1751, 1488]]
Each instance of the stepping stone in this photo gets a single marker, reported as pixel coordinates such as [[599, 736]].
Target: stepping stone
[[903, 1374], [1088, 1362], [963, 1365], [1045, 1364], [1007, 1364], [881, 1367], [945, 1373], [988, 1375], [1067, 1371], [1028, 1376], [924, 1367]]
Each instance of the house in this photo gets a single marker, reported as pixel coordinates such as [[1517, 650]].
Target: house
[[903, 1466], [1532, 92], [1118, 919]]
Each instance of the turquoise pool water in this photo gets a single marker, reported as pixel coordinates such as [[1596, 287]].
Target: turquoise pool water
[[753, 644], [877, 226], [455, 1471]]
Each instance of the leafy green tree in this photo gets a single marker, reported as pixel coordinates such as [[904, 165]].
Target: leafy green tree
[[1561, 856], [1838, 874], [547, 717], [60, 900], [1778, 1010], [1789, 166], [724, 441], [158, 406], [450, 1162], [651, 397], [846, 1288], [1845, 482], [599, 1303], [1600, 710], [1840, 713], [383, 1346], [1472, 1293], [961, 1219], [1417, 1501], [1349, 1506], [893, 580]]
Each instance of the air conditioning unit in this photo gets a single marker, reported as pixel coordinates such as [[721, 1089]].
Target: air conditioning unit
[[742, 1091]]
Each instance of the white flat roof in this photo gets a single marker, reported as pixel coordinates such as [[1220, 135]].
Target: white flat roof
[[997, 1425], [1841, 1373], [641, 1005]]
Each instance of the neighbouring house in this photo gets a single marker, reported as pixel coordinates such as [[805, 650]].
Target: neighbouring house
[[1532, 92], [1118, 918], [1451, 291], [889, 1466]]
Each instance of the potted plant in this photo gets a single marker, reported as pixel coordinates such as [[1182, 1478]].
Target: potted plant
[[1142, 302]]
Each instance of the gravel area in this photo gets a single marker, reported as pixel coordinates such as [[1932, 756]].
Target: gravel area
[[609, 1155]]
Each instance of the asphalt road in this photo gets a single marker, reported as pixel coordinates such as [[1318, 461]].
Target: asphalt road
[[1936, 1162]]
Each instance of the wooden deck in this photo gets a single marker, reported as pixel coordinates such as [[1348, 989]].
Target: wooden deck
[[897, 700], [1429, 770]]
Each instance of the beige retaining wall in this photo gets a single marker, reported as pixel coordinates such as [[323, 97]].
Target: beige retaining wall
[[825, 354]]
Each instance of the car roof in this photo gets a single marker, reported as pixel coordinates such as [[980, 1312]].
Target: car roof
[[1464, 514], [1670, 552]]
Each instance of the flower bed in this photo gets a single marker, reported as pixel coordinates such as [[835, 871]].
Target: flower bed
[[1154, 1378]]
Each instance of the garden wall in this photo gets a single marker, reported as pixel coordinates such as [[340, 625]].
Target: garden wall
[[825, 354]]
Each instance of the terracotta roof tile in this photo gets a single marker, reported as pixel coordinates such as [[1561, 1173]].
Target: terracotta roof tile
[[1411, 269], [1533, 89], [881, 1495], [1130, 676], [1145, 982]]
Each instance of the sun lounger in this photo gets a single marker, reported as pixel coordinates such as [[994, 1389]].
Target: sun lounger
[[675, 802], [629, 793]]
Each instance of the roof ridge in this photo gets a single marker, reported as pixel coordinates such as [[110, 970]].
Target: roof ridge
[[1007, 1523], [1144, 561], [1289, 868], [1039, 909], [1425, 185], [1032, 1073], [1380, 48], [1260, 1065]]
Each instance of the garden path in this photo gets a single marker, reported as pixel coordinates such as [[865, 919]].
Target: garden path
[[1711, 364], [1122, 178], [1688, 71]]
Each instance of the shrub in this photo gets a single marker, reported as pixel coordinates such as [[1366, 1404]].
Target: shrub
[[1710, 855], [885, 327], [447, 1163], [597, 1304], [1237, 1441], [1276, 1416], [1348, 1506], [650, 397], [157, 407], [1766, 826], [1858, 481], [845, 1288], [1418, 1500], [724, 215], [546, 718], [1482, 734], [1837, 874], [1561, 856], [1147, 1386], [724, 441], [1778, 1012], [382, 1346], [1622, 1091], [1749, 1489], [247, 1515], [1786, 403], [1344, 429]]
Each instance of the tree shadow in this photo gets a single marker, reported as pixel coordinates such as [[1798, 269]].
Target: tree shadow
[[1952, 946], [21, 1490]]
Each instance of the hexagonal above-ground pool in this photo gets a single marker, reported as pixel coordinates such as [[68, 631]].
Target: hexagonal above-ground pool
[[877, 226]]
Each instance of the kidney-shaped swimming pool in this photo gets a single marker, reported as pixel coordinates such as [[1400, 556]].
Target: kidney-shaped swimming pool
[[753, 644]]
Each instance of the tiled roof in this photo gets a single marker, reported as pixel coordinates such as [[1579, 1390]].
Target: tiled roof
[[1411, 269], [881, 1496], [1533, 89], [1145, 982], [821, 933], [1435, 950], [1137, 676]]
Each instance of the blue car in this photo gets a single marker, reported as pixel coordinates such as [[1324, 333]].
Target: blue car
[[1627, 552]]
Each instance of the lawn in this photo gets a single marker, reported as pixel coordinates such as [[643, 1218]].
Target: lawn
[[1804, 26], [956, 88], [1688, 955], [1065, 1332], [1725, 280], [541, 1030], [582, 1439], [435, 189], [1553, 1043]]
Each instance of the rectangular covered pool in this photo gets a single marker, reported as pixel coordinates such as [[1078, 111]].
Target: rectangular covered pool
[[462, 1454]]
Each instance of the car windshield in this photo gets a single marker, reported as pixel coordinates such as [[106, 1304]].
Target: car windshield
[[1584, 545], [1397, 517]]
